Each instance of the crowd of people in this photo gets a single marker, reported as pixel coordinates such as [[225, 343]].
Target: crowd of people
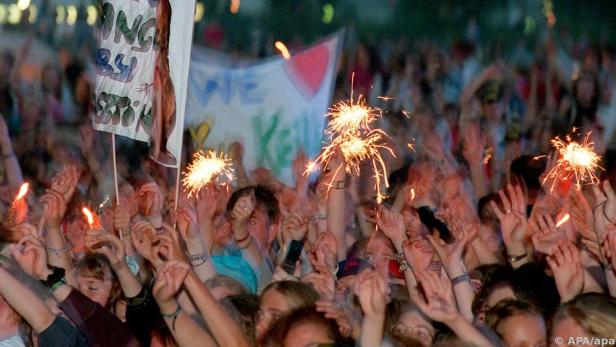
[[472, 245]]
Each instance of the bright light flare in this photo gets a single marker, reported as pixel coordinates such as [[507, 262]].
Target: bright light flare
[[350, 132], [563, 220], [206, 168], [89, 216], [23, 5], [282, 48], [235, 6], [412, 194], [576, 161], [23, 191]]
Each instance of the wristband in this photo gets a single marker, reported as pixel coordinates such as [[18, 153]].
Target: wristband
[[197, 259], [460, 279], [58, 250], [8, 156], [132, 264], [517, 258], [338, 184], [174, 314]]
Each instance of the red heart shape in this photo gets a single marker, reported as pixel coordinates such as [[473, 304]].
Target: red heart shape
[[307, 69]]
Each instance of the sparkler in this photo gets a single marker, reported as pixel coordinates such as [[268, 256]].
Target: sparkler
[[206, 168], [412, 194], [576, 161], [89, 216], [284, 51], [563, 220], [23, 191], [350, 132]]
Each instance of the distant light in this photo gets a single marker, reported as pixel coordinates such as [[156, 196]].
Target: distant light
[[92, 15], [2, 14], [33, 14], [328, 13], [14, 14], [71, 17], [529, 25], [23, 4], [199, 12], [60, 14], [235, 6], [284, 51]]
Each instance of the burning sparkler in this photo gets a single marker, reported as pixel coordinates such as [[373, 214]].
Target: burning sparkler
[[576, 161], [563, 220], [284, 51], [206, 168], [89, 216], [23, 191], [350, 132]]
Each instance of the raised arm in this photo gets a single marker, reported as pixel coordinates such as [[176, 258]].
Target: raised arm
[[198, 252], [225, 330], [336, 204], [185, 330], [9, 160]]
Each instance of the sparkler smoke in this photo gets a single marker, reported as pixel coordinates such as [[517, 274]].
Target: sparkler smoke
[[350, 132], [206, 168], [576, 161]]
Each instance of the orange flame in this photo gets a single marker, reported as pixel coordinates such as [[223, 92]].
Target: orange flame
[[284, 51], [563, 220], [412, 194], [235, 6], [89, 215], [23, 190]]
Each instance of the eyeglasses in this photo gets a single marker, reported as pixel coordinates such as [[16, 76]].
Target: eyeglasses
[[420, 332]]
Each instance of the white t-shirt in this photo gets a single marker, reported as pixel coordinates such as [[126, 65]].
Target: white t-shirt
[[13, 341]]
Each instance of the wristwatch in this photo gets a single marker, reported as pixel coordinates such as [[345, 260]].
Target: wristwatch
[[517, 258]]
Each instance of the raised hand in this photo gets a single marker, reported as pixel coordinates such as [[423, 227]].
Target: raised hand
[[54, 208], [121, 216], [418, 252], [451, 254], [151, 202], [169, 280], [568, 271], [323, 282], [207, 204], [437, 301], [513, 219], [30, 254], [299, 165], [243, 209], [108, 245], [372, 291], [294, 227], [142, 236], [392, 225], [186, 220], [346, 326], [324, 252], [605, 207], [237, 151], [545, 234], [473, 144], [65, 182]]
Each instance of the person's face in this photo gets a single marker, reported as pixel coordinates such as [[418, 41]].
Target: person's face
[[95, 289], [259, 225], [497, 295], [306, 335], [568, 330], [585, 91], [412, 325], [379, 253], [523, 330], [273, 306]]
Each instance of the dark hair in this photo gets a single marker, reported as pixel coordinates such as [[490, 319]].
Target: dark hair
[[529, 170], [243, 309], [263, 196], [509, 308], [279, 330]]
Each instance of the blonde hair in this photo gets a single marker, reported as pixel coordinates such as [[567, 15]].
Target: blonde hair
[[595, 313]]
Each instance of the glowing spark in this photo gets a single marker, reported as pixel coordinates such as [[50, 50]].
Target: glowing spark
[[385, 98], [284, 51], [487, 155], [311, 167], [23, 190], [563, 220], [350, 132], [206, 168], [349, 116], [411, 146], [89, 216], [407, 114], [576, 160], [539, 157], [412, 194], [235, 6]]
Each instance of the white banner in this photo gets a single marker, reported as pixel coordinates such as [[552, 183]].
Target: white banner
[[142, 71], [274, 107]]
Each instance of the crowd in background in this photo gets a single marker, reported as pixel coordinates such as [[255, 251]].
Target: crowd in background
[[213, 272]]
